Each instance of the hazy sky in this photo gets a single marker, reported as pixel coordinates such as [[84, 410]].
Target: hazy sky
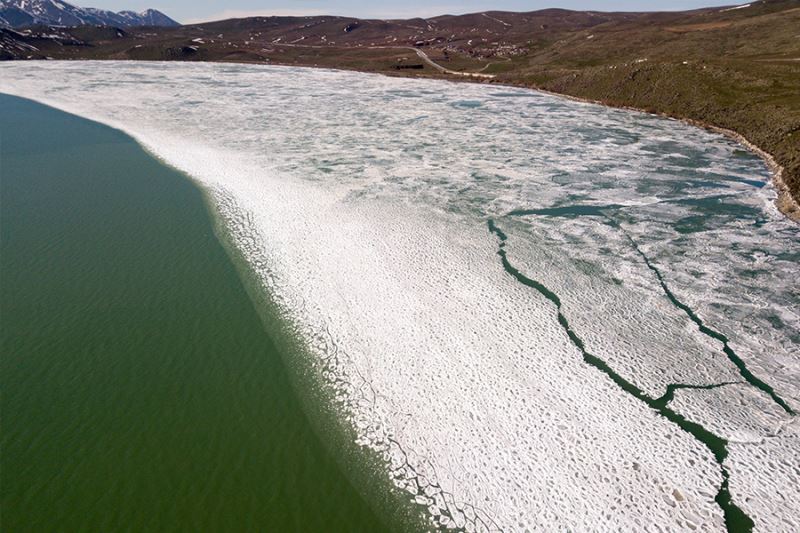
[[201, 10]]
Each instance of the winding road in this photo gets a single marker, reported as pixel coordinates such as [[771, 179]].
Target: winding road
[[422, 55]]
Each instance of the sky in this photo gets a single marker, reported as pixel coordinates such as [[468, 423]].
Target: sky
[[188, 11]]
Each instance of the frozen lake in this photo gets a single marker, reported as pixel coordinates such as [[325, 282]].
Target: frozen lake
[[544, 314]]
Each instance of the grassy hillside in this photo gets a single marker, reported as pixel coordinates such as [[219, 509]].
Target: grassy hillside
[[737, 69]]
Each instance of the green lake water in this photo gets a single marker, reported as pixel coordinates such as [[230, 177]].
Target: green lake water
[[140, 389]]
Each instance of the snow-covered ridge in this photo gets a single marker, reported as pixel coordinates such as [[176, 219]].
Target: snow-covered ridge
[[20, 13], [362, 203]]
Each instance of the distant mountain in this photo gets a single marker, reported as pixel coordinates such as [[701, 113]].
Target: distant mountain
[[21, 13]]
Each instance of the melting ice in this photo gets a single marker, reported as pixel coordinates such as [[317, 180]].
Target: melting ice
[[362, 203]]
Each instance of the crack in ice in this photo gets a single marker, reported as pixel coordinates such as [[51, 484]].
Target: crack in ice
[[735, 518], [733, 357], [668, 396]]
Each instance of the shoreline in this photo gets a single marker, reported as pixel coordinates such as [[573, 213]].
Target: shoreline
[[784, 202]]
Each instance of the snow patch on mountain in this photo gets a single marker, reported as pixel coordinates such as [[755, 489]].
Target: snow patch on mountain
[[21, 13]]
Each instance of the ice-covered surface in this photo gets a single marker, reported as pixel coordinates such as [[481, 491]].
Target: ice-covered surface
[[362, 204], [616, 304], [765, 479], [736, 412]]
